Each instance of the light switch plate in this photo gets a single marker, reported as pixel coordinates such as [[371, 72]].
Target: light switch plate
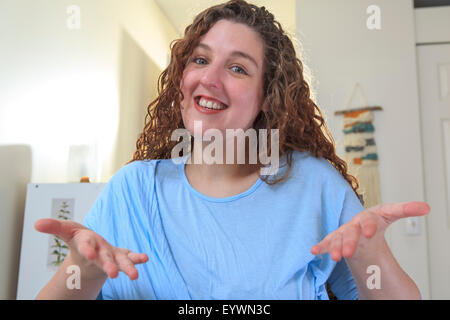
[[413, 226]]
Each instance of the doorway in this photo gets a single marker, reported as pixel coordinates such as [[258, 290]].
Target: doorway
[[434, 87]]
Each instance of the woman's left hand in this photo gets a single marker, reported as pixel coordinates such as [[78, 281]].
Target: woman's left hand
[[371, 224]]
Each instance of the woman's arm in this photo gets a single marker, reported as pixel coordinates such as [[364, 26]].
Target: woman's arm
[[95, 257], [91, 282], [361, 242], [391, 283]]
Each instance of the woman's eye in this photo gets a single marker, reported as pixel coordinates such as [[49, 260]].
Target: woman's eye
[[239, 69], [199, 60]]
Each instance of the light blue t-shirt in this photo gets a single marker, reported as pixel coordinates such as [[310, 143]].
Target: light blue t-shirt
[[254, 245]]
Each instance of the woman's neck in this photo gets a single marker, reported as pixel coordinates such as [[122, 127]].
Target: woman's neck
[[217, 176], [221, 180], [203, 166]]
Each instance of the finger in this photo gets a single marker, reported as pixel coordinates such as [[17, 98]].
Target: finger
[[108, 264], [137, 258], [60, 228], [87, 248], [336, 247], [416, 208], [126, 266], [323, 246], [394, 211], [350, 240], [368, 224]]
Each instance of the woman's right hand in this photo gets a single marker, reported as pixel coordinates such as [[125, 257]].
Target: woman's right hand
[[92, 251]]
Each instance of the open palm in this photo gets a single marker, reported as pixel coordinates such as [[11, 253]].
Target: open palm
[[89, 248], [371, 224]]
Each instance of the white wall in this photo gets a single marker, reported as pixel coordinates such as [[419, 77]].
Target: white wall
[[15, 172], [432, 24], [340, 50], [61, 87]]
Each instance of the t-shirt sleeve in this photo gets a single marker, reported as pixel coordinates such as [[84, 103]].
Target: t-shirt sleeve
[[90, 219], [351, 206], [101, 219], [100, 208], [109, 205], [341, 279], [342, 283]]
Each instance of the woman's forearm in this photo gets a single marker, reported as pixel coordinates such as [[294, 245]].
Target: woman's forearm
[[394, 283], [91, 283]]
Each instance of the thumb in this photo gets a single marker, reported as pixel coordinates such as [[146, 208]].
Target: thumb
[[416, 208], [61, 228]]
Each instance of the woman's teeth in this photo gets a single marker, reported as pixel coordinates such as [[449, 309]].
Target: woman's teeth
[[211, 105]]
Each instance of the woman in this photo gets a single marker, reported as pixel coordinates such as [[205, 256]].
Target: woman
[[221, 230]]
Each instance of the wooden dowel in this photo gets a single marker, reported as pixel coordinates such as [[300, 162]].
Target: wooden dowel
[[374, 108]]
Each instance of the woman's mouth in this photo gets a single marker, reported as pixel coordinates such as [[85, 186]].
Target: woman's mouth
[[208, 106]]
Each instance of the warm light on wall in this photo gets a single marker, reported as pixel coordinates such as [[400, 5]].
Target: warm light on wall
[[75, 108]]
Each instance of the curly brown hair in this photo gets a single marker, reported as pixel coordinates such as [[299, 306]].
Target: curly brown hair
[[291, 110]]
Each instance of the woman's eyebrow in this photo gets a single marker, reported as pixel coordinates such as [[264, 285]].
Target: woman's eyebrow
[[234, 53]]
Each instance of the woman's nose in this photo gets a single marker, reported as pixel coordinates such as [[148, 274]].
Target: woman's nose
[[212, 77]]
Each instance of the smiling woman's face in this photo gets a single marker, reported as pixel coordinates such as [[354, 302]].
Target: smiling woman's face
[[222, 82]]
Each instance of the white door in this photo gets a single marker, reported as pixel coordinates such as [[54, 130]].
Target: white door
[[434, 87]]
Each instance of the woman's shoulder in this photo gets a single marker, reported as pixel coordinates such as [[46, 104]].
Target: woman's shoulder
[[148, 168], [306, 164], [138, 166], [308, 160], [135, 170]]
